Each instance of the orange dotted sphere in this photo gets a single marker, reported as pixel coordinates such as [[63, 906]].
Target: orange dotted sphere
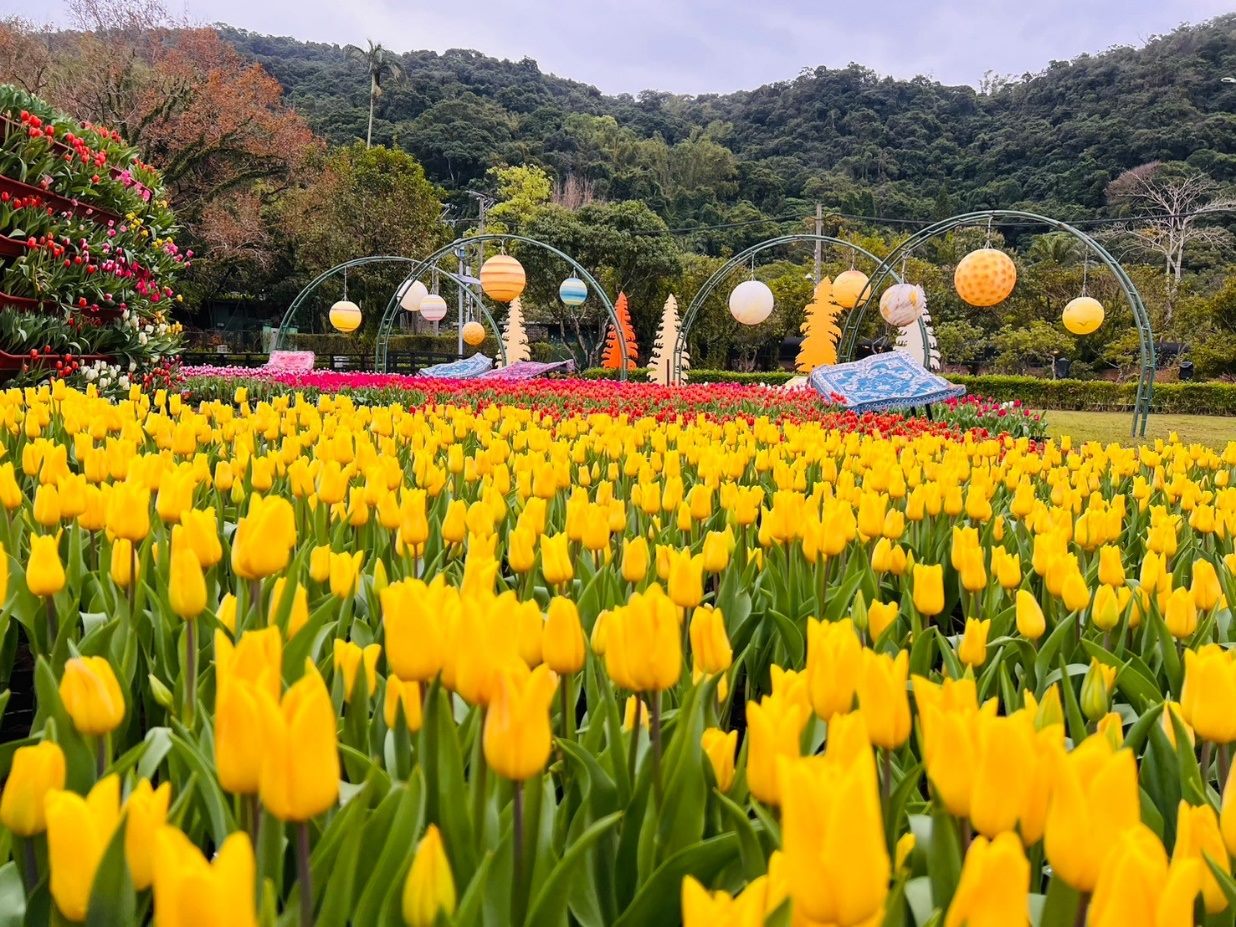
[[985, 277]]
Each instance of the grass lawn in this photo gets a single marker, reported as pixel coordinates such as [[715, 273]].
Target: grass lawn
[[1115, 426]]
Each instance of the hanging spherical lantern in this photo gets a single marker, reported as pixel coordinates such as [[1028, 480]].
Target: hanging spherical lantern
[[502, 278], [411, 294], [345, 316], [573, 291], [751, 302], [473, 333], [850, 288], [902, 303], [433, 308], [985, 277], [1083, 315]]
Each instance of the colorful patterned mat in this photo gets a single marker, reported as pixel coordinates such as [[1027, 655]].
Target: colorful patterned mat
[[883, 381], [463, 369], [528, 370]]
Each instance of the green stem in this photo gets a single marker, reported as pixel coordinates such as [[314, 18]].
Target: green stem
[[53, 624], [655, 720], [303, 875], [517, 843], [100, 755], [29, 864], [634, 741], [190, 671]]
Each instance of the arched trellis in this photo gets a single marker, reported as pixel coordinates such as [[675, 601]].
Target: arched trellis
[[424, 266], [741, 260], [295, 306], [1145, 381]]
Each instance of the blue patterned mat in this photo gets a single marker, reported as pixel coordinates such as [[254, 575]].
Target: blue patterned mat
[[882, 381], [463, 369]]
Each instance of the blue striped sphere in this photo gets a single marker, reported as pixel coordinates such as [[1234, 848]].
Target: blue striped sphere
[[573, 291]]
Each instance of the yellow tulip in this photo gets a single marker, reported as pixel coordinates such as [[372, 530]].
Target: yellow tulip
[[186, 584], [716, 550], [521, 549], [880, 616], [1138, 888], [145, 811], [1198, 837], [1209, 691], [994, 887], [46, 508], [1205, 589], [972, 648], [1096, 690], [1030, 621], [413, 629], [1111, 566], [406, 695], [685, 584], [719, 747], [429, 890], [832, 837], [1105, 612], [1007, 568], [517, 737], [702, 908], [264, 538], [643, 643], [882, 697], [556, 564], [834, 655], [928, 589], [1095, 799], [319, 563], [1180, 616], [37, 770], [128, 511], [239, 742], [349, 658], [300, 764], [562, 644], [634, 559], [774, 729], [44, 571], [1002, 774], [191, 892], [345, 573], [92, 695], [710, 645], [78, 832]]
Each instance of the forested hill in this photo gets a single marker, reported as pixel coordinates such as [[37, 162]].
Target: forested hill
[[848, 137]]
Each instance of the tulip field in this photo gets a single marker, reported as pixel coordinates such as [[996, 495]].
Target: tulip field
[[590, 654]]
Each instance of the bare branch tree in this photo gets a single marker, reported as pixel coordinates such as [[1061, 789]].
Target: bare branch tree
[[1175, 202]]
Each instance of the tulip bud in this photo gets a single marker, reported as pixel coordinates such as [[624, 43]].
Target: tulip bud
[[44, 571], [300, 763], [710, 645], [880, 615], [1181, 614], [556, 566], [972, 648], [928, 589], [78, 832], [834, 656], [1111, 566], [406, 695], [349, 658], [719, 747], [145, 812], [1209, 692], [1198, 837], [882, 697], [319, 563], [92, 695], [562, 645], [517, 736], [1030, 621], [994, 884], [1205, 588], [1096, 692], [634, 559], [36, 770], [128, 511], [186, 591], [219, 893], [429, 891]]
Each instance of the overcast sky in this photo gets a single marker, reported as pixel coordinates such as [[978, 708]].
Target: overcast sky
[[696, 46]]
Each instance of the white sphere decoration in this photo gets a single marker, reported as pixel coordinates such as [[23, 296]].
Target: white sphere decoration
[[433, 308], [751, 302], [411, 294], [573, 291], [902, 303]]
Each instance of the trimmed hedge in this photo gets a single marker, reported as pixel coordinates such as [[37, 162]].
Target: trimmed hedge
[[325, 345], [1210, 398]]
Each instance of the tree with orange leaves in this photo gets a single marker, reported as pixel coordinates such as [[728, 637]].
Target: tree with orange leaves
[[612, 359]]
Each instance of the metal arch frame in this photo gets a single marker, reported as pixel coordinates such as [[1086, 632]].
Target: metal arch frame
[[422, 267], [321, 278], [1141, 318], [739, 260]]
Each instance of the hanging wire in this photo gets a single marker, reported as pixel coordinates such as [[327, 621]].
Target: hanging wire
[[1085, 271], [345, 284], [988, 242]]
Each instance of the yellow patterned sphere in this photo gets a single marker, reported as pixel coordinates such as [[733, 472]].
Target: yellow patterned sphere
[[345, 316], [473, 333], [1083, 315], [985, 277], [850, 288], [502, 278], [902, 303]]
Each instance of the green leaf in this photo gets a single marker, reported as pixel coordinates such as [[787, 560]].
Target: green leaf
[[113, 902], [549, 907], [401, 830], [753, 862], [471, 905], [1060, 908], [211, 795], [659, 899], [12, 896]]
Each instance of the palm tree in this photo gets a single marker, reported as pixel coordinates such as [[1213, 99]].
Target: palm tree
[[381, 65]]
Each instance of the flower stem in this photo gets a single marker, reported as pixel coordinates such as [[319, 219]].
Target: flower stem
[[303, 876], [634, 741], [100, 755], [190, 671], [53, 624], [655, 719], [29, 864], [517, 842]]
